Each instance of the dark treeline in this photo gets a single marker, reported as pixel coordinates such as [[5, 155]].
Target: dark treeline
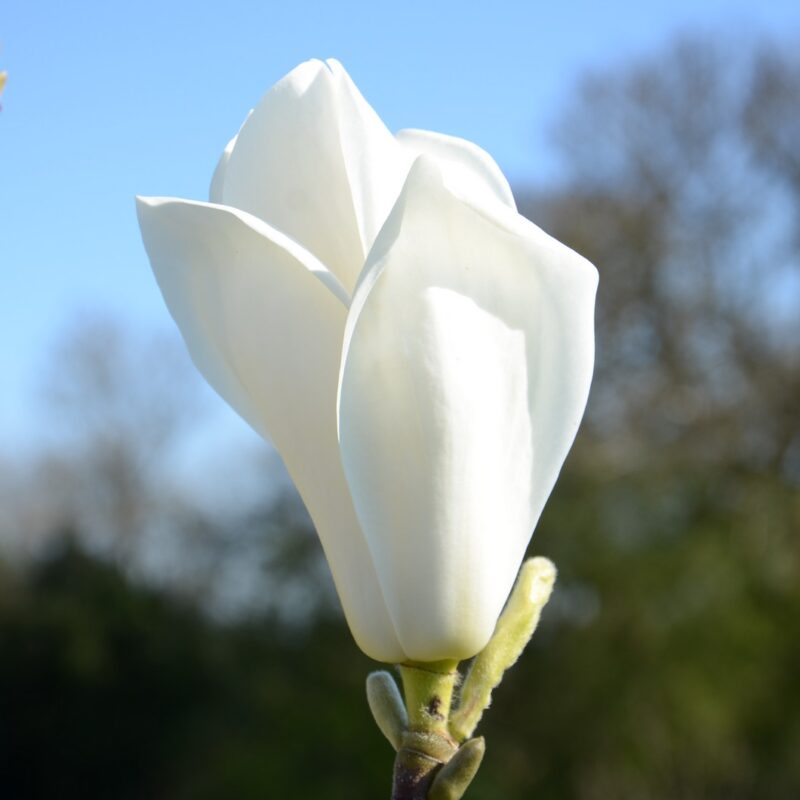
[[666, 666]]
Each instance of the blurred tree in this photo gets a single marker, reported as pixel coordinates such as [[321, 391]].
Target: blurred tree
[[669, 671], [118, 408], [114, 405], [682, 199]]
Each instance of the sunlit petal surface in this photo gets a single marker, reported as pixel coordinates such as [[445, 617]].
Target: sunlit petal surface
[[467, 363]]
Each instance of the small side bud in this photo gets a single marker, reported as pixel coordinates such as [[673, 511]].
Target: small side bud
[[455, 776], [387, 707], [514, 630]]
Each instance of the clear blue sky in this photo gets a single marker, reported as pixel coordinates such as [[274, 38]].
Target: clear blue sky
[[106, 100]]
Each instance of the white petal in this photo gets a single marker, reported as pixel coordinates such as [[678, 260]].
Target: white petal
[[377, 167], [468, 169], [215, 191], [315, 161], [467, 361], [264, 321]]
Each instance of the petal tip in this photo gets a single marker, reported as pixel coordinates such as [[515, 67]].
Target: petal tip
[[145, 206], [303, 75], [424, 169], [150, 201]]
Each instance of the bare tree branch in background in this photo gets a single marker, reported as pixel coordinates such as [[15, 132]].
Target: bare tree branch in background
[[117, 410], [114, 406], [681, 186]]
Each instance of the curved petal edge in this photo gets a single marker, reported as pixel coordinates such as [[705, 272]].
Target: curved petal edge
[[468, 169], [263, 321]]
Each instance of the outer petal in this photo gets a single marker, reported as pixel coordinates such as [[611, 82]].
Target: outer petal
[[468, 169], [263, 321], [216, 189], [377, 167], [316, 162], [467, 363]]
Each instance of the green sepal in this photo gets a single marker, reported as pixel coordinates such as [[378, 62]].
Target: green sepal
[[387, 706], [514, 629], [455, 776]]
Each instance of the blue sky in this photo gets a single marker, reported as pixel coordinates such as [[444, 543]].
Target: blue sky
[[106, 100]]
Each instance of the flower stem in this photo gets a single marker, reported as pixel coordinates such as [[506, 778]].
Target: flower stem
[[426, 745]]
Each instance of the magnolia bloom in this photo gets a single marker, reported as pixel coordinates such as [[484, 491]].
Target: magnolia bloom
[[419, 353]]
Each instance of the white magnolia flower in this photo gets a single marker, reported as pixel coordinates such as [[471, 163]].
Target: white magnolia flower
[[418, 352]]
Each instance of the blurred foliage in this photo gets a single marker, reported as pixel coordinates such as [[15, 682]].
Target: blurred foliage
[[666, 666], [112, 691]]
